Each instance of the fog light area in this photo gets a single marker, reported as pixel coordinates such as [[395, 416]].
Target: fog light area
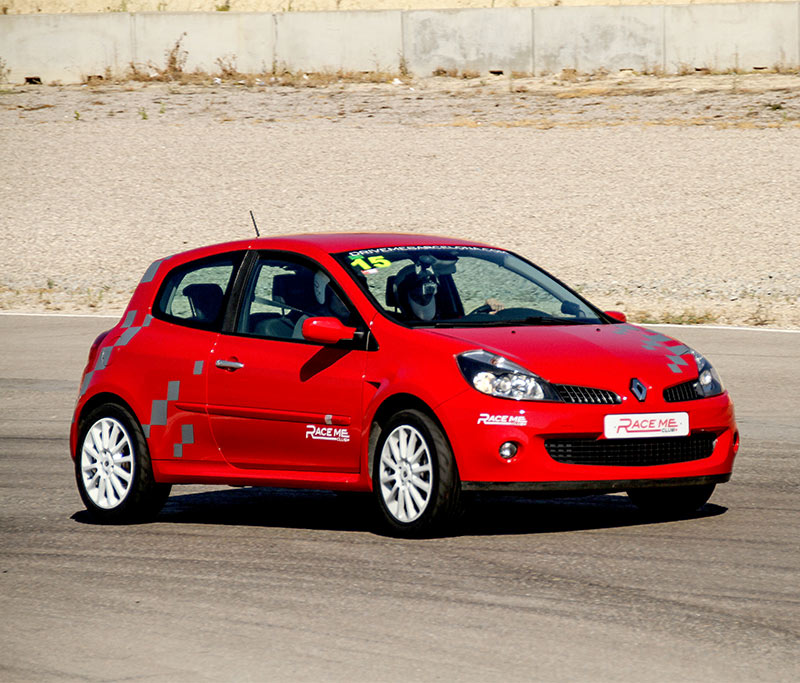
[[508, 450]]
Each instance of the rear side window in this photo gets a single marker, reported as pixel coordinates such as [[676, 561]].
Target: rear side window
[[196, 294]]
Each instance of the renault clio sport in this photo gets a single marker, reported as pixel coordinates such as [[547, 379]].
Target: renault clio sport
[[415, 367]]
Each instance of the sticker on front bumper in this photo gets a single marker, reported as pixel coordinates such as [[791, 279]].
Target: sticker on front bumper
[[640, 425], [515, 420]]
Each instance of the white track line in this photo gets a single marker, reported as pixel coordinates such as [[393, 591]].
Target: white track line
[[721, 327], [62, 315]]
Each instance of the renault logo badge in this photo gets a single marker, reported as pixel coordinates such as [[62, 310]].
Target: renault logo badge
[[638, 389]]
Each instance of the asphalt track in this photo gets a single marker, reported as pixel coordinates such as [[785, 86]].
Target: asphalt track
[[253, 584]]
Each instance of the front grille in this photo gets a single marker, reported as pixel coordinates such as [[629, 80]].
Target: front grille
[[631, 452], [682, 392], [572, 394]]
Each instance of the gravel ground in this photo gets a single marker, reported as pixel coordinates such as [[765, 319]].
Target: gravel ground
[[674, 199]]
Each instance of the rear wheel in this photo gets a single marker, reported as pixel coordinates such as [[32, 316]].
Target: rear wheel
[[112, 468], [671, 501], [415, 479]]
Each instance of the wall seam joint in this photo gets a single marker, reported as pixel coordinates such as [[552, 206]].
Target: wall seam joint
[[403, 61], [663, 39]]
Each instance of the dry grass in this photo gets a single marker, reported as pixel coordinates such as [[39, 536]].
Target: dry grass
[[441, 72], [54, 297], [304, 79], [686, 317], [760, 317], [599, 82], [546, 123], [174, 71], [468, 74]]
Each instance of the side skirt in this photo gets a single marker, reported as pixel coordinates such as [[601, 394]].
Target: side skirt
[[200, 472]]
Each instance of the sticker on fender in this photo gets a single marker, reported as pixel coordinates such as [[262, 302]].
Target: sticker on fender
[[640, 425]]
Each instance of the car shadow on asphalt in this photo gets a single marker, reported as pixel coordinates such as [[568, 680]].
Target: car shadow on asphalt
[[484, 513]]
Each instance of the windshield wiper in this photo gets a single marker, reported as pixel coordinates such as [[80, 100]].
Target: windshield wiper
[[501, 322], [549, 320]]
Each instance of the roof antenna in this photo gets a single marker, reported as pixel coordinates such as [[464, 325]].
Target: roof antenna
[[253, 218]]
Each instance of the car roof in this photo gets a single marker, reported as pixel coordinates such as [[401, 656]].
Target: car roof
[[317, 244], [334, 242]]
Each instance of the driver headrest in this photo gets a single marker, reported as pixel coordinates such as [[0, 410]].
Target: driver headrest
[[205, 299], [295, 290], [415, 291]]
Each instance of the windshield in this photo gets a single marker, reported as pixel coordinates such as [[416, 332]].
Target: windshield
[[460, 286]]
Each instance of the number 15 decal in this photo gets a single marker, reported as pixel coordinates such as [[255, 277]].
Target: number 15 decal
[[374, 262]]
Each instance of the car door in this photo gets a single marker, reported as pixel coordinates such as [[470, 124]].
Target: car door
[[169, 354], [275, 400]]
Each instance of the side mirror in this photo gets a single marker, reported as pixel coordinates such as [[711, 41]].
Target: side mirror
[[617, 315], [326, 330]]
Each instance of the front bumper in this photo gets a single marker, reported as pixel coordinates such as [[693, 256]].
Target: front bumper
[[477, 440]]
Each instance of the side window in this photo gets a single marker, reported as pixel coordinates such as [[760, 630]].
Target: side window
[[194, 294], [282, 294]]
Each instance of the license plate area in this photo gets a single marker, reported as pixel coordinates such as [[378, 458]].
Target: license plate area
[[642, 425]]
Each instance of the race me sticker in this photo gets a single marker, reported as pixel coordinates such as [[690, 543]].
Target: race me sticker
[[327, 433], [515, 420], [645, 424]]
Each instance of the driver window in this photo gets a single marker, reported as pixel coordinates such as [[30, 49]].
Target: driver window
[[282, 294]]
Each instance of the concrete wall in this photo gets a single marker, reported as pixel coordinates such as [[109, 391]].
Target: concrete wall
[[328, 41], [64, 46], [246, 38], [79, 6], [744, 36], [470, 39], [67, 47], [590, 38]]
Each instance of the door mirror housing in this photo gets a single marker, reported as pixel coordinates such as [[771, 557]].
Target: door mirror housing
[[326, 330], [617, 315]]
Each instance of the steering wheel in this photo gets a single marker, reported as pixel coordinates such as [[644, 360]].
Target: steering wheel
[[485, 308]]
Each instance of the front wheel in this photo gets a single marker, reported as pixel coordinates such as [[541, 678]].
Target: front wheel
[[671, 501], [112, 468], [415, 479]]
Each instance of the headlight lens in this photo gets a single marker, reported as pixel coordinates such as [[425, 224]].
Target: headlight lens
[[497, 376], [708, 380]]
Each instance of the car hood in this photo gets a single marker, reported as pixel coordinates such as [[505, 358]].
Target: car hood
[[603, 356]]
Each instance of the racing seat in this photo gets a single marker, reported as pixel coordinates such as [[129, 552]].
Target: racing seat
[[448, 301], [205, 300], [296, 291]]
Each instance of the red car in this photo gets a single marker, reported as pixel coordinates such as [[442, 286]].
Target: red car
[[415, 367]]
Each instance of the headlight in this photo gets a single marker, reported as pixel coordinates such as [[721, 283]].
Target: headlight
[[708, 380], [496, 376]]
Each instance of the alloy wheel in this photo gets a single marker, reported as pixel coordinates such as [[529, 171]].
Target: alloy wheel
[[107, 463], [406, 474]]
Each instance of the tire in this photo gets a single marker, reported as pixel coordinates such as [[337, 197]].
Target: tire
[[418, 493], [671, 501], [113, 470]]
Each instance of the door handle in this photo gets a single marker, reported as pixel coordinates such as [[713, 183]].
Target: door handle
[[229, 364]]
